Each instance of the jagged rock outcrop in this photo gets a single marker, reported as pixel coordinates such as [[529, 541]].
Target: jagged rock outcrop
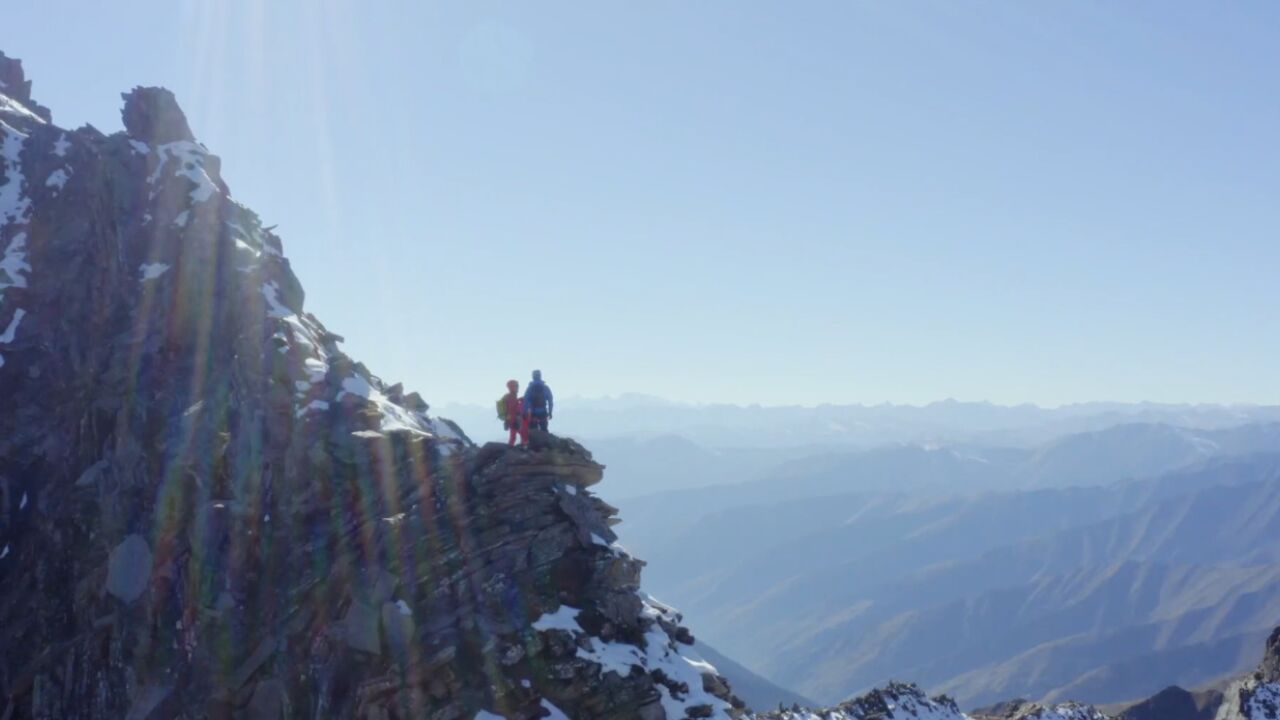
[[900, 701], [208, 510], [15, 90], [1269, 669], [152, 115], [1256, 697], [1023, 710], [895, 701]]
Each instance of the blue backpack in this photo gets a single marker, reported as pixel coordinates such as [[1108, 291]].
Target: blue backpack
[[536, 398]]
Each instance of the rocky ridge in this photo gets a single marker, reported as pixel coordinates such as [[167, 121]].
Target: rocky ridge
[[208, 510], [901, 701], [1257, 696]]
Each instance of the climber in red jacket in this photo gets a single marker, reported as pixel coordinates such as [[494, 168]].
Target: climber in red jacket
[[511, 412]]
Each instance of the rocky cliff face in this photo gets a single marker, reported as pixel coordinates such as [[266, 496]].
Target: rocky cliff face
[[208, 510], [1256, 697]]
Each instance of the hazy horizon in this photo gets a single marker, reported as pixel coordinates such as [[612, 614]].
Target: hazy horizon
[[658, 399]]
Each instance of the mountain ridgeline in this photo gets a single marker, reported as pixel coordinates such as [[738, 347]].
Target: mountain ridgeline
[[1105, 592]]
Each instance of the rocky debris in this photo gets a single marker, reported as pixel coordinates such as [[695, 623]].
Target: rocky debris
[[895, 701], [1004, 709], [1061, 711], [208, 510], [899, 701]]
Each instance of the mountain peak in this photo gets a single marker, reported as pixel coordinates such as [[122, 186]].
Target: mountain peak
[[15, 85], [152, 115], [1269, 668]]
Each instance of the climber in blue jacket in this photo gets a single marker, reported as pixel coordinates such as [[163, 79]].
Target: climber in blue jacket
[[538, 402]]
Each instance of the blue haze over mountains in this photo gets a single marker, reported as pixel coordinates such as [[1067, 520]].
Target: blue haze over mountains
[[1097, 552]]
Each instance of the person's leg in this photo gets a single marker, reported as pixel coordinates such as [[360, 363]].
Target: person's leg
[[511, 436], [524, 432]]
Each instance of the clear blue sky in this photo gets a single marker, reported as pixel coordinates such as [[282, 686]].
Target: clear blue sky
[[738, 201]]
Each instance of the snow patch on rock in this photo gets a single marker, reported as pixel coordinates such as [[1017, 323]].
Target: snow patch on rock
[[189, 159], [13, 265], [895, 701], [9, 106], [1264, 703], [566, 618], [553, 712], [683, 668], [394, 417], [1064, 711], [15, 206], [15, 211], [275, 309], [314, 405], [315, 368], [57, 179], [151, 271], [11, 331]]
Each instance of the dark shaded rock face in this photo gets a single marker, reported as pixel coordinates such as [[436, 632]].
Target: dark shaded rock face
[[208, 510], [152, 115], [1269, 668], [895, 701], [15, 85], [1174, 703]]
